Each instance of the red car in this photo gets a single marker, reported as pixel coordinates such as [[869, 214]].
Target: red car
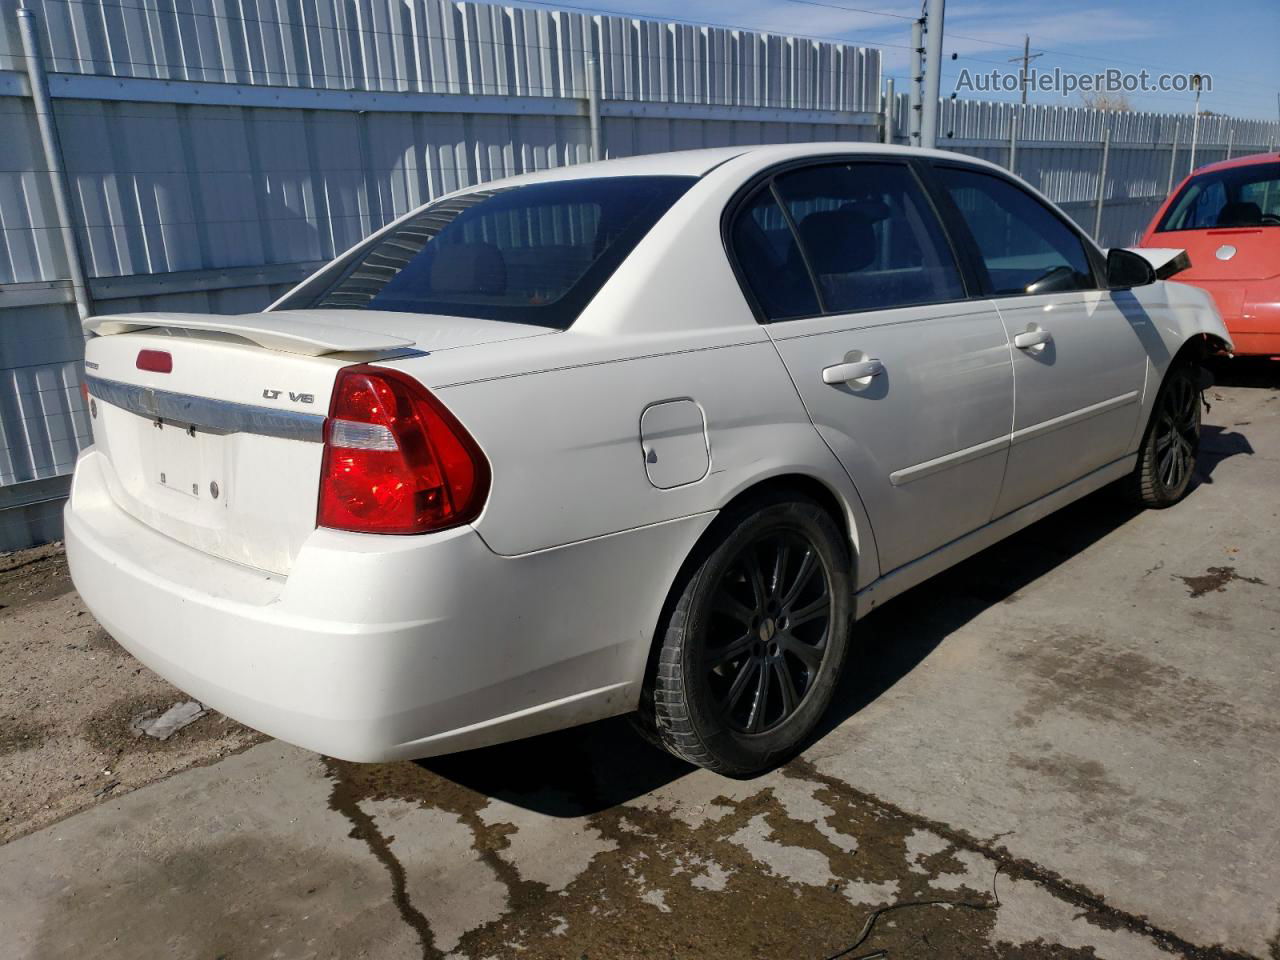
[[1227, 217]]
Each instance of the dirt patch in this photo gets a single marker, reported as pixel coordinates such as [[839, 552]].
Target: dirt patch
[[1215, 580], [1086, 779], [68, 696], [114, 728], [29, 576], [17, 735]]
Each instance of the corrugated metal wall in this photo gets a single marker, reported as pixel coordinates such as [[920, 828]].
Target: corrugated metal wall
[[219, 150], [1060, 153], [442, 46]]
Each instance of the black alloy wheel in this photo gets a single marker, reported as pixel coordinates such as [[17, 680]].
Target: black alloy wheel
[[767, 635], [754, 636]]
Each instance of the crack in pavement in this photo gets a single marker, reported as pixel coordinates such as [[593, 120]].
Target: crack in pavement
[[343, 800], [1095, 907]]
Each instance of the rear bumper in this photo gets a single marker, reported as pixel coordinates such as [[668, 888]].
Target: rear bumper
[[381, 648]]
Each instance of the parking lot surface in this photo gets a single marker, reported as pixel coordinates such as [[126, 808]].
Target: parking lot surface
[[1072, 737]]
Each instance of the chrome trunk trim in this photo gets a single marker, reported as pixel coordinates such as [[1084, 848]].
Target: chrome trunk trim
[[224, 416]]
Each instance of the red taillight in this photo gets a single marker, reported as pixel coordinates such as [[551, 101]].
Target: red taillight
[[157, 361], [395, 460]]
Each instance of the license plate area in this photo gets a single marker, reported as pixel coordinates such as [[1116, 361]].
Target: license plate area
[[184, 460]]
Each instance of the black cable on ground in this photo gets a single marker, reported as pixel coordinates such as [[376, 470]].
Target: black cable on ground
[[876, 914]]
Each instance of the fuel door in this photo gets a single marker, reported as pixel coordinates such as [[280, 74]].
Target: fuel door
[[673, 439]]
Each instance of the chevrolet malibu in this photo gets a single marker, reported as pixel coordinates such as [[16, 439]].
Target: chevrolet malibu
[[643, 436]]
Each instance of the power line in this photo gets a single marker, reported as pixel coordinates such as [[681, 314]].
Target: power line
[[834, 6]]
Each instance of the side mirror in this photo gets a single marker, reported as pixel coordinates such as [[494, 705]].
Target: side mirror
[[1128, 269]]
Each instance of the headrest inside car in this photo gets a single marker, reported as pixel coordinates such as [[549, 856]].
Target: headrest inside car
[[474, 268], [837, 241], [1240, 214]]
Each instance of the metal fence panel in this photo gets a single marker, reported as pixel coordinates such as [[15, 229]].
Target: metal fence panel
[[443, 46], [1060, 152]]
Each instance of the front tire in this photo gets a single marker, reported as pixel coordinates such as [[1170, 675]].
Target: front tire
[[1171, 444], [755, 640]]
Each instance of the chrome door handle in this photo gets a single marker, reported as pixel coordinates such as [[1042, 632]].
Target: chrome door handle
[[844, 372], [1032, 338]]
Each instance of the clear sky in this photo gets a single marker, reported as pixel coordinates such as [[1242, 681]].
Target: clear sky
[[1235, 41]]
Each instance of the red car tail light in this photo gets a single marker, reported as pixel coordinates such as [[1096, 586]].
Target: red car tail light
[[395, 460]]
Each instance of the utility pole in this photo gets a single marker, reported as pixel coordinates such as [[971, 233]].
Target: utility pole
[[1195, 122], [1026, 58], [934, 15], [915, 99], [890, 108]]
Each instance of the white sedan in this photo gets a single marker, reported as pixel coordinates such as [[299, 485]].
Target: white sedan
[[643, 435]]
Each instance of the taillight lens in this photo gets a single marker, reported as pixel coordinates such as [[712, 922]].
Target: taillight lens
[[157, 361], [395, 460]]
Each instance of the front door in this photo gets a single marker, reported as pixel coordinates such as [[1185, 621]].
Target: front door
[[1079, 363]]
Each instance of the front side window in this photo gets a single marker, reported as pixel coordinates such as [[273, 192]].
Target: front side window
[[1024, 246], [532, 254], [869, 236], [1247, 196]]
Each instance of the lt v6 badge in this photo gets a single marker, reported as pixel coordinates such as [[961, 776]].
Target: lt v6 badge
[[295, 397]]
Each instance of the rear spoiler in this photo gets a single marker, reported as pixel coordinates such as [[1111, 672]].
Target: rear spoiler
[[274, 331], [1165, 261]]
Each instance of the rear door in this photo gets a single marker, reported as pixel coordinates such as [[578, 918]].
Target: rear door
[[1079, 360], [909, 383]]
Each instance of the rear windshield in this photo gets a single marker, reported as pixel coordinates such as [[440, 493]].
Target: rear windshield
[[1236, 197], [532, 254]]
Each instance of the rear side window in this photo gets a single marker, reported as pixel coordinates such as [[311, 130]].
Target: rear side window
[[869, 237], [770, 260], [532, 254], [1025, 247], [1247, 196]]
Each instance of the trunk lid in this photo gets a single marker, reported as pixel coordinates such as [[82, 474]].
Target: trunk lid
[[223, 452]]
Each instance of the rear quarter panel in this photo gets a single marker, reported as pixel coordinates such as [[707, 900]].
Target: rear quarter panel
[[566, 451]]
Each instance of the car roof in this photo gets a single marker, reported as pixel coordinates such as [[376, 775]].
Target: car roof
[[1250, 160], [697, 163]]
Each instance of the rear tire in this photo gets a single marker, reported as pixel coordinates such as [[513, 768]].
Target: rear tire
[[754, 638], [1171, 444]]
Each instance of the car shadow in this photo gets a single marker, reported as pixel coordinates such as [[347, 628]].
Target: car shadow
[[895, 638], [1246, 372], [1218, 444], [569, 773]]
